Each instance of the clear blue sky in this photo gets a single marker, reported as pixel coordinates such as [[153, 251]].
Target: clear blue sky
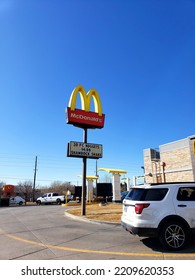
[[138, 54]]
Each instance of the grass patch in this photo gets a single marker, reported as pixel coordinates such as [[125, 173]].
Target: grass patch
[[110, 213]]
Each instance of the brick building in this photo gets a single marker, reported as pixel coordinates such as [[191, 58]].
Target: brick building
[[171, 162]]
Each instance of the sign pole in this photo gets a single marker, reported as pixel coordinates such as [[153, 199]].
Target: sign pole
[[84, 118], [83, 208]]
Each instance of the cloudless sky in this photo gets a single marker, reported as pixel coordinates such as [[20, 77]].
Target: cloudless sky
[[138, 54]]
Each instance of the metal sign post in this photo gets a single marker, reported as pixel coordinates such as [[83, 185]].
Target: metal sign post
[[84, 118], [83, 202]]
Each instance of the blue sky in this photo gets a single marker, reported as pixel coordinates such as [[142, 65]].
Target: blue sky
[[138, 54]]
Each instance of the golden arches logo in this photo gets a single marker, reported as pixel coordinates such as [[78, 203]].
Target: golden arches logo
[[83, 117], [85, 99]]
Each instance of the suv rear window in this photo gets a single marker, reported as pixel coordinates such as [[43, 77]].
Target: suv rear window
[[147, 194], [186, 194]]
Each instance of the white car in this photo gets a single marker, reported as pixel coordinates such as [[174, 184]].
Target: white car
[[17, 200], [166, 211]]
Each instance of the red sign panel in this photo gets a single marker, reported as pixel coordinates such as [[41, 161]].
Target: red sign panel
[[82, 118]]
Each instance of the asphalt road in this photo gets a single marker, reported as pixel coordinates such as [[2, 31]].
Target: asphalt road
[[45, 233]]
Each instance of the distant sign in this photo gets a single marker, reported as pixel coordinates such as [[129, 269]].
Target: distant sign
[[80, 149]]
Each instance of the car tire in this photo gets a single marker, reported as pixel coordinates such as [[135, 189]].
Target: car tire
[[58, 201], [38, 202], [20, 203], [173, 235]]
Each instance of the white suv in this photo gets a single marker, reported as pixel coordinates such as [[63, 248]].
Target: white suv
[[166, 211]]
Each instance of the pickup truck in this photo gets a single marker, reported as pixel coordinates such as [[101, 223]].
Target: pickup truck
[[49, 198]]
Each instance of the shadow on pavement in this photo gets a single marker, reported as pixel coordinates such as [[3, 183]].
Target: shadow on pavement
[[155, 245]]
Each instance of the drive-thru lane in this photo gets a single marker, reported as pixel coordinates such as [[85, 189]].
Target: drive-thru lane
[[43, 232]]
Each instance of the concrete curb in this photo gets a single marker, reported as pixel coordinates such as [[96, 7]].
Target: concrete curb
[[78, 218]]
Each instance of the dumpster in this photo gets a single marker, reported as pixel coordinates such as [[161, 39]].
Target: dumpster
[[4, 202]]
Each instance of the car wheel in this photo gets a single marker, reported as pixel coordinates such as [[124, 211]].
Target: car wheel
[[173, 235], [20, 203], [38, 202], [58, 201]]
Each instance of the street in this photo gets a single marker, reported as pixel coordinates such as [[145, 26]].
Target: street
[[45, 233]]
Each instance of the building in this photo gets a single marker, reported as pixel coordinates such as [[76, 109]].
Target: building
[[171, 162], [7, 191]]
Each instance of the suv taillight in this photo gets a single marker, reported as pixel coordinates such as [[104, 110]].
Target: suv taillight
[[140, 206]]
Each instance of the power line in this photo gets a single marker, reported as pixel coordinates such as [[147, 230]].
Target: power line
[[61, 167]]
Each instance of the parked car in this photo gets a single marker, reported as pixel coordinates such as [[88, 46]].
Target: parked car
[[17, 200], [166, 211]]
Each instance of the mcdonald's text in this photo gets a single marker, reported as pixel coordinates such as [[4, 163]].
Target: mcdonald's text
[[82, 118]]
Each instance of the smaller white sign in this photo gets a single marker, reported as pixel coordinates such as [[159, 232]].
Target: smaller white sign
[[80, 149]]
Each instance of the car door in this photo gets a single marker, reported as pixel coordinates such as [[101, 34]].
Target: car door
[[185, 204], [12, 201], [53, 197], [45, 198], [50, 198]]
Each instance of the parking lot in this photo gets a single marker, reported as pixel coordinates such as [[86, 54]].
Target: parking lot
[[45, 233]]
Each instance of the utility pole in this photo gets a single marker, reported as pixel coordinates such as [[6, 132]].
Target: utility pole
[[35, 174]]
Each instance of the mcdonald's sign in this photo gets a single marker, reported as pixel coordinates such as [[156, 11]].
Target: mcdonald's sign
[[84, 117]]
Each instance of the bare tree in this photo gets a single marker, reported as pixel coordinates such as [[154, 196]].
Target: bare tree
[[61, 187], [25, 189]]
